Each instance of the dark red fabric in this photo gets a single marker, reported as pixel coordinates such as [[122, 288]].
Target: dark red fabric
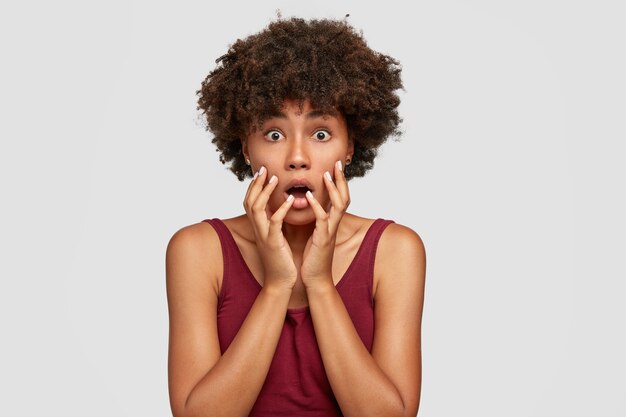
[[296, 384]]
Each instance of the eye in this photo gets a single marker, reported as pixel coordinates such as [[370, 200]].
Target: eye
[[274, 135], [322, 135]]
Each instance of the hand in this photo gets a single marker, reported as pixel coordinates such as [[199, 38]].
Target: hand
[[276, 256], [317, 260]]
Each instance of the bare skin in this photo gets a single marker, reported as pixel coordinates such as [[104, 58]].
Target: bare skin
[[298, 255]]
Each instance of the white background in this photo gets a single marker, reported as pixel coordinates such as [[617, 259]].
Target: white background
[[511, 169]]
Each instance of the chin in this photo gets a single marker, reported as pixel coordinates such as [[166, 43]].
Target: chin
[[300, 217]]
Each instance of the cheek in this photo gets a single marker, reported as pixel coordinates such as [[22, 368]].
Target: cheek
[[271, 166], [276, 199], [324, 198]]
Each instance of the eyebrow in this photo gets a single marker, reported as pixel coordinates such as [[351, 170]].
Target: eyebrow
[[313, 114]]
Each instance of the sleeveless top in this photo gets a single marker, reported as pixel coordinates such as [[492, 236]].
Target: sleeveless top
[[296, 384]]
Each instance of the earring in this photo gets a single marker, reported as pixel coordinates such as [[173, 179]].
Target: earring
[[348, 160], [247, 161]]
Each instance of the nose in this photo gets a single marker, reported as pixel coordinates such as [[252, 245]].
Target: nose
[[298, 155]]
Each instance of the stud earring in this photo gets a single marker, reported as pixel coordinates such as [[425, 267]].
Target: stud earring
[[247, 161], [348, 160]]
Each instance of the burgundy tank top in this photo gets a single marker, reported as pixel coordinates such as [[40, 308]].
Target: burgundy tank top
[[296, 384]]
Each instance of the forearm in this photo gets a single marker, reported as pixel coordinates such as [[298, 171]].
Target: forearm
[[231, 387], [359, 384]]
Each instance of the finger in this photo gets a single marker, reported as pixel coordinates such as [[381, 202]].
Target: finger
[[252, 191], [342, 183], [276, 221], [321, 217], [256, 186], [250, 185], [260, 204], [333, 192], [338, 205]]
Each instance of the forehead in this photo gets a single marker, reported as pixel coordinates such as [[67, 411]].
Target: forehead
[[304, 108], [291, 109]]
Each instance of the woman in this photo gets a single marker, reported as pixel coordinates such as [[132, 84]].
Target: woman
[[297, 308]]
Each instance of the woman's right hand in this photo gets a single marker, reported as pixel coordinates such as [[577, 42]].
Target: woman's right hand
[[276, 256]]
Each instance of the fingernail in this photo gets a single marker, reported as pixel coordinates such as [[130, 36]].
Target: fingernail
[[256, 174], [327, 175], [309, 194], [290, 197], [339, 166], [261, 170], [272, 179]]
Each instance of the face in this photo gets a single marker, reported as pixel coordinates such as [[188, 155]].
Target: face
[[299, 147]]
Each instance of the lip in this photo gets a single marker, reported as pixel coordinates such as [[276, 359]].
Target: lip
[[299, 203], [298, 181]]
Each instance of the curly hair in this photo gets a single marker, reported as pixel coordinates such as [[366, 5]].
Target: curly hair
[[324, 61]]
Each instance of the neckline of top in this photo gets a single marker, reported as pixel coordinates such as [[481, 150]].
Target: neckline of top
[[301, 309]]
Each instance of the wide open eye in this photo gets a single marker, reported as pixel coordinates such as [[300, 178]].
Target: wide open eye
[[273, 135], [322, 135]]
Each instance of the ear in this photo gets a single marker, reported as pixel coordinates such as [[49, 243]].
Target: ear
[[244, 149], [350, 151]]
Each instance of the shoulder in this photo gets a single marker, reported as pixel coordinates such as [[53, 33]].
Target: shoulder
[[397, 240], [194, 253], [193, 239], [400, 258]]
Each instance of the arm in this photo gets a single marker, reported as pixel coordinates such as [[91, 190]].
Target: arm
[[201, 381], [386, 382]]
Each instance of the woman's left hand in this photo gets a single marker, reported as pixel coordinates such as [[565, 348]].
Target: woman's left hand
[[317, 259]]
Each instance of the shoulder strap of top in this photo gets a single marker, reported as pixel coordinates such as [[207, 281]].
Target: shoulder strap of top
[[229, 252], [226, 238], [362, 264], [362, 267], [370, 244]]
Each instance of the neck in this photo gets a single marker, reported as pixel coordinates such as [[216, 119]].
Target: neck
[[298, 235]]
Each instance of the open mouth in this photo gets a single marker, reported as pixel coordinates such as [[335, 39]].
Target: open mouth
[[298, 191]]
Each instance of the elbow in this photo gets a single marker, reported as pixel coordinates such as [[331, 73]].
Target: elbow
[[409, 408], [406, 407], [187, 413], [204, 412], [397, 409], [181, 412], [184, 410]]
